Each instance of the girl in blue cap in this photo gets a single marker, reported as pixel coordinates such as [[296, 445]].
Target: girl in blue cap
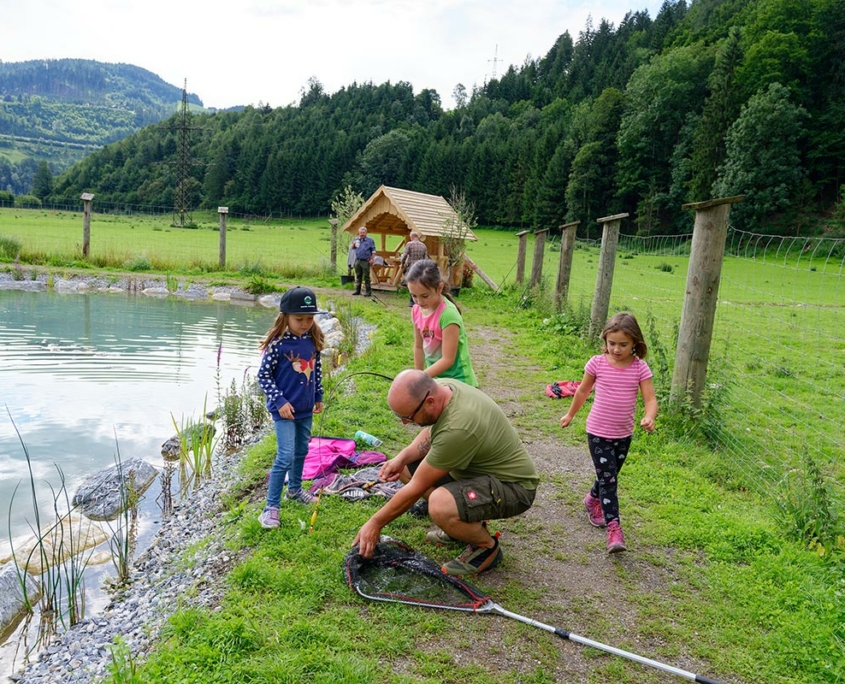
[[292, 378]]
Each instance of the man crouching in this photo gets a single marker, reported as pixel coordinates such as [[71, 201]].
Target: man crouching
[[468, 461]]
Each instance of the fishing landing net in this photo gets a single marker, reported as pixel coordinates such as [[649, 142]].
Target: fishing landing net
[[398, 574]]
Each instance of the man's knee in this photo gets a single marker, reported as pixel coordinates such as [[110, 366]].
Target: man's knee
[[442, 505]]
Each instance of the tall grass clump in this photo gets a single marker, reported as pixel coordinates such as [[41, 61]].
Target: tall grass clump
[[258, 285], [122, 669], [708, 419], [9, 247], [806, 510], [58, 552], [242, 412], [196, 448]]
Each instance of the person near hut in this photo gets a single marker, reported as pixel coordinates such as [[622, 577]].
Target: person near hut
[[414, 251], [365, 249]]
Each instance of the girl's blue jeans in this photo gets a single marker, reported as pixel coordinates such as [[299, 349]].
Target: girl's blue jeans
[[292, 438]]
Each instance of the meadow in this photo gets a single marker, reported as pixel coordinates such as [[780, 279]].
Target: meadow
[[739, 501], [777, 350]]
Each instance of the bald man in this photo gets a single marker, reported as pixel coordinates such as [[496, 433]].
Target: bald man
[[468, 461]]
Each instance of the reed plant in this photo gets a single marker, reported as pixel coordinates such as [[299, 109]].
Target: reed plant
[[123, 668], [197, 443], [57, 555], [124, 533], [242, 412]]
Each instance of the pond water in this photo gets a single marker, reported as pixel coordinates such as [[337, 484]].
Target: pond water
[[83, 375]]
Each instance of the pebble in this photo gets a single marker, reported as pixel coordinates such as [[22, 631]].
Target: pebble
[[159, 582]]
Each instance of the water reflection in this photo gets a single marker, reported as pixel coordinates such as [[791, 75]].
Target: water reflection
[[79, 371]]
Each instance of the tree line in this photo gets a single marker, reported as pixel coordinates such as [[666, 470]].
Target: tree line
[[711, 99]]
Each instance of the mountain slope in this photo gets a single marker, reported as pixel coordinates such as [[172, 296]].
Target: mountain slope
[[60, 110]]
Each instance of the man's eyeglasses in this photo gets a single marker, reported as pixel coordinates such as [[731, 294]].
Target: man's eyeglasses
[[410, 418]]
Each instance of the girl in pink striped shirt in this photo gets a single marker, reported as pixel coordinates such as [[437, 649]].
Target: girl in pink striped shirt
[[618, 374]]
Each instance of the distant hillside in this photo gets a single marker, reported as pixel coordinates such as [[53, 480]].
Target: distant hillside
[[60, 110]]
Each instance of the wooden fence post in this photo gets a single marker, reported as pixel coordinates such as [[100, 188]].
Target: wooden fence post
[[705, 268], [564, 271], [86, 198], [520, 256], [604, 281], [222, 211], [333, 253], [539, 251]]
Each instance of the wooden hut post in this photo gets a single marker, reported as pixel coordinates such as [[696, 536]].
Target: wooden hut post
[[221, 213], [539, 251], [564, 271], [520, 256], [604, 281], [86, 198], [333, 253], [705, 267]]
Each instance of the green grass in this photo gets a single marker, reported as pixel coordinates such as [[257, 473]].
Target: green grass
[[752, 593], [742, 597]]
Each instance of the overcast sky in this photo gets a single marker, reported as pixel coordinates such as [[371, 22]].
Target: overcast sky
[[238, 53]]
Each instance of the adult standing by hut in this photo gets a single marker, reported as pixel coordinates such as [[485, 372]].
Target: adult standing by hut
[[365, 248], [414, 251]]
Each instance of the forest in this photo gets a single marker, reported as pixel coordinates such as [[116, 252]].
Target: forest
[[714, 98]]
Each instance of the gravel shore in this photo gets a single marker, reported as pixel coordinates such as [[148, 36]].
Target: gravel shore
[[164, 577]]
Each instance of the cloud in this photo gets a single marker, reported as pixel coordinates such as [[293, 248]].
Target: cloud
[[265, 51]]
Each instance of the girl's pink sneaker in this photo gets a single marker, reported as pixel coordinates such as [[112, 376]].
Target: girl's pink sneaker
[[615, 538], [593, 506]]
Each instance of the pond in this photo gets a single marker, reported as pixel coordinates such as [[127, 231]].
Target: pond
[[85, 375]]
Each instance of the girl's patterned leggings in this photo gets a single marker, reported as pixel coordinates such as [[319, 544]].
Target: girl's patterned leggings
[[608, 458]]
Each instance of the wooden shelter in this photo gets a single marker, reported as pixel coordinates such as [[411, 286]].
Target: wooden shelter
[[390, 215]]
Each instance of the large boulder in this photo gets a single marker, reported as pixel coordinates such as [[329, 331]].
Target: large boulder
[[12, 604], [71, 535], [103, 495]]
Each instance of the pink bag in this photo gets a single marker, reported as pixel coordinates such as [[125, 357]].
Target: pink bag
[[330, 454]]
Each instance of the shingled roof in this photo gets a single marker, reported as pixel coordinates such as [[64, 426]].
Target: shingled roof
[[396, 212]]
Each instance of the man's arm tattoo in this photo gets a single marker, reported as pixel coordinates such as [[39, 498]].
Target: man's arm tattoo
[[424, 447]]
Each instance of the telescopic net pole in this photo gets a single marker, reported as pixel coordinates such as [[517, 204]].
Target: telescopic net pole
[[564, 634]]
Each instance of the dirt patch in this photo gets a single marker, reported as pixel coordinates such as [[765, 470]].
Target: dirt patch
[[556, 569]]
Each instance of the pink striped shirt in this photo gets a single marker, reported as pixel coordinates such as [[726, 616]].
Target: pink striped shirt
[[612, 414]]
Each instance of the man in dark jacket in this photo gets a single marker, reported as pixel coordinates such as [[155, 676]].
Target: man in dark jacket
[[365, 249]]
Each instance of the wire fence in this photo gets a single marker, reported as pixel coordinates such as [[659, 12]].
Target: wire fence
[[776, 375]]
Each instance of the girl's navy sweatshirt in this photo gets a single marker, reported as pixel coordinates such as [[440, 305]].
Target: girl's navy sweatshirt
[[291, 373]]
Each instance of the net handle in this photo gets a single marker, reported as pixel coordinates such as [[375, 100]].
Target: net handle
[[493, 607]]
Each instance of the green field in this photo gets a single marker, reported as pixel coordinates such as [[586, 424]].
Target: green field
[[777, 360], [739, 505]]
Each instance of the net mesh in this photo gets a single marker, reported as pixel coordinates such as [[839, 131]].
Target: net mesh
[[399, 574]]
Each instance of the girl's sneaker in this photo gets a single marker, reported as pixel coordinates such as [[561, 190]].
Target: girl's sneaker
[[615, 538], [300, 496], [269, 518], [593, 506]]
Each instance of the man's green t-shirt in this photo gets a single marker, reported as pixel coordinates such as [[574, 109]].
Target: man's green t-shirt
[[473, 437]]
